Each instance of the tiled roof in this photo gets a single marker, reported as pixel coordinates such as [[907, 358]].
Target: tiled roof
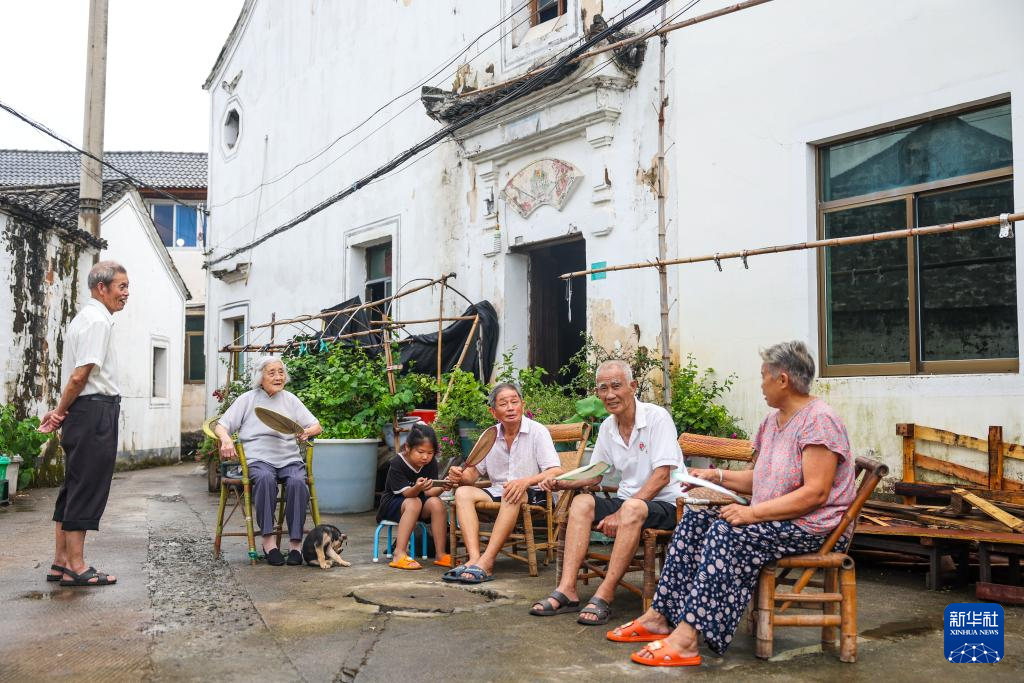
[[58, 204], [166, 170]]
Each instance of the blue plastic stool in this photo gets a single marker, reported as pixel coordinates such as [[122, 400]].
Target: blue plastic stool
[[412, 539]]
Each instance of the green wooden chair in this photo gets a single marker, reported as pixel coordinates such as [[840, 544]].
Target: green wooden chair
[[239, 489]]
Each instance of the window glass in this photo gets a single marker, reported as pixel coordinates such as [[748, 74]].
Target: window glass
[[378, 262], [194, 323], [968, 280], [186, 226], [934, 150], [866, 287], [196, 358], [163, 217]]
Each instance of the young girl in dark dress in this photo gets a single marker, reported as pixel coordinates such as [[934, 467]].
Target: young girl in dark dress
[[409, 497]]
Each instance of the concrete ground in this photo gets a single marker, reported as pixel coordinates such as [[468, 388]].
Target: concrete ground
[[176, 614]]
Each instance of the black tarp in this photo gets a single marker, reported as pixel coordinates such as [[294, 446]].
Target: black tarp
[[420, 350]]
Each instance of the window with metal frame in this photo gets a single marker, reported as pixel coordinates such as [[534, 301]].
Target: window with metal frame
[[195, 351], [942, 303], [178, 225], [378, 276]]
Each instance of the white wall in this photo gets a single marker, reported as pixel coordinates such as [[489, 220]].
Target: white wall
[[750, 93], [155, 316]]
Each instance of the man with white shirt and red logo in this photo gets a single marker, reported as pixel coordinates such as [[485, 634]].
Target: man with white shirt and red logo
[[638, 440]]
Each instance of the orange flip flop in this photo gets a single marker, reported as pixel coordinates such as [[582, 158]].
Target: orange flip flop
[[662, 655], [632, 632], [405, 563], [444, 561]]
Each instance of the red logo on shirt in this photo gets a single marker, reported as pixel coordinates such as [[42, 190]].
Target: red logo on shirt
[[643, 445]]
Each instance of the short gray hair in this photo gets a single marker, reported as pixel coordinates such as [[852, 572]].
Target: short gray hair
[[103, 273], [622, 365], [261, 364], [795, 360], [492, 397]]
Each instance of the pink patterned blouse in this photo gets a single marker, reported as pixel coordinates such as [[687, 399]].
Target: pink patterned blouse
[[778, 468]]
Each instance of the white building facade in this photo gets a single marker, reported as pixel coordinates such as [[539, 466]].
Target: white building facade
[[786, 122]]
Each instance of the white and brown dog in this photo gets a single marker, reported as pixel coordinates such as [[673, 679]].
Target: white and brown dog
[[323, 545]]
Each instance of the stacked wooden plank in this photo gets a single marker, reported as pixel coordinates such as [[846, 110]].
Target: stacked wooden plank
[[984, 515]]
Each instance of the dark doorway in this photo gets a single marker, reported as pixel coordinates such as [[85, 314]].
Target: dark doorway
[[557, 324]]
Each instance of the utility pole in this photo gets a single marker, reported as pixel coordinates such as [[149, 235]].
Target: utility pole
[[666, 356], [91, 192]]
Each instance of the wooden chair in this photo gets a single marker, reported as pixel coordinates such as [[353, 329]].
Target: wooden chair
[[650, 553], [240, 490], [549, 514], [839, 586], [653, 541]]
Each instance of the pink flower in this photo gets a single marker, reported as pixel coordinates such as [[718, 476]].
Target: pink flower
[[733, 435]]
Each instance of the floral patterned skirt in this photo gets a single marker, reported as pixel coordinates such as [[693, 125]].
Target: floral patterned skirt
[[711, 568]]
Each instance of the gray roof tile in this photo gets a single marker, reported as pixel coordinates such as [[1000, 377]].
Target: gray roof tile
[[165, 170]]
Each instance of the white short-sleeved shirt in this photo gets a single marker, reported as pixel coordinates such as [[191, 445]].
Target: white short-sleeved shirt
[[652, 443], [532, 452], [259, 441], [89, 341]]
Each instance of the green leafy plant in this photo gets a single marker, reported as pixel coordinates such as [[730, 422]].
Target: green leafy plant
[[590, 410], [467, 402], [695, 406], [583, 364], [348, 392], [208, 448], [546, 402], [21, 437]]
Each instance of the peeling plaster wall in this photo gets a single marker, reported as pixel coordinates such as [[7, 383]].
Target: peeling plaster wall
[[745, 177], [296, 95], [43, 280]]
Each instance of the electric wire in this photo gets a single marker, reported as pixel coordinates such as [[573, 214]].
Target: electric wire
[[244, 226], [46, 130], [527, 86]]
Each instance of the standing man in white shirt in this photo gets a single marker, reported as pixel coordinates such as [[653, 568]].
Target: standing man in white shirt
[[639, 440], [88, 412], [522, 455]]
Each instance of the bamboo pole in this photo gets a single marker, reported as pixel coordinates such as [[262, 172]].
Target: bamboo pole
[[462, 357], [401, 323], [666, 358], [352, 309], [440, 330], [816, 244]]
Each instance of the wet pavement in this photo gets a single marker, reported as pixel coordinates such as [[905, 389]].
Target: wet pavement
[[178, 614]]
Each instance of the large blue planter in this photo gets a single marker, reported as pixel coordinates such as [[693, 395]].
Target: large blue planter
[[345, 472]]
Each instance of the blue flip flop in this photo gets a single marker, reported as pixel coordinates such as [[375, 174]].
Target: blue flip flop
[[478, 574], [453, 575]]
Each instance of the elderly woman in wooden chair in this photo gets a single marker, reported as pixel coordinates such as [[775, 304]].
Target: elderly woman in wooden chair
[[800, 486], [271, 455]]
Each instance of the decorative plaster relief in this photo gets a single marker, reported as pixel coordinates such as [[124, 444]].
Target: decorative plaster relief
[[548, 181]]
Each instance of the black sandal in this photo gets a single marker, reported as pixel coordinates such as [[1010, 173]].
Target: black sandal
[[84, 579], [56, 568], [275, 558], [599, 608], [563, 602]]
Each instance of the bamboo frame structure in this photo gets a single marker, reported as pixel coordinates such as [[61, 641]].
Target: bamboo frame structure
[[384, 328]]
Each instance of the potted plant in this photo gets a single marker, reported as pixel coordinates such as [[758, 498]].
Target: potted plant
[[460, 418], [695, 406], [348, 393], [20, 438]]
